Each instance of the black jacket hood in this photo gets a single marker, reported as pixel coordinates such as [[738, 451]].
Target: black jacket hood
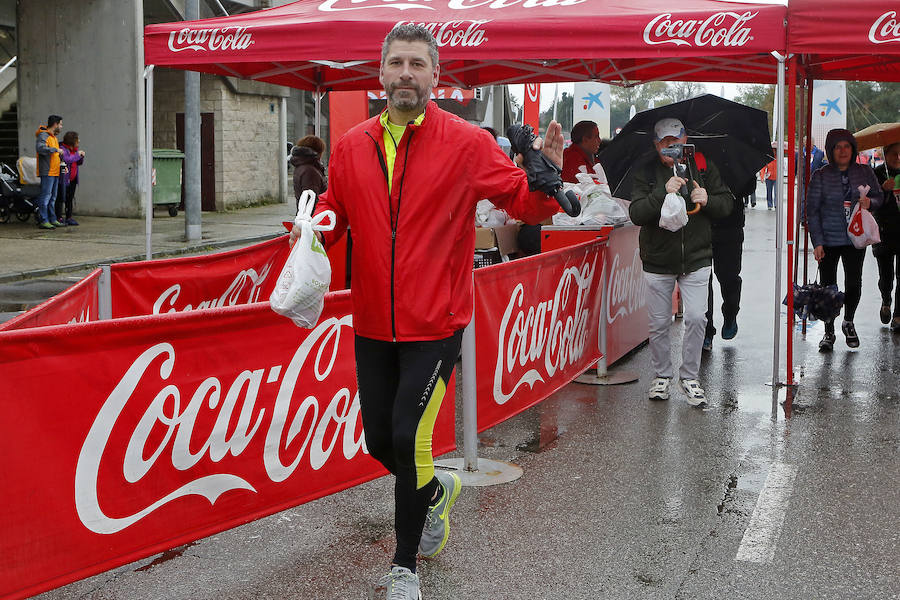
[[839, 135]]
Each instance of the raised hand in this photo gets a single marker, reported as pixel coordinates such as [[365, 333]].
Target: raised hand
[[552, 144]]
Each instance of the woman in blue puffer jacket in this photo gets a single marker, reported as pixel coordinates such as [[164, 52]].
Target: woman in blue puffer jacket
[[833, 194]]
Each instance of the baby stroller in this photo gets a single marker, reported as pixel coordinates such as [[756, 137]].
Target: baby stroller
[[16, 197]]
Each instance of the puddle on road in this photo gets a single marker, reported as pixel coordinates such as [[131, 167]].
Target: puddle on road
[[554, 416], [166, 557]]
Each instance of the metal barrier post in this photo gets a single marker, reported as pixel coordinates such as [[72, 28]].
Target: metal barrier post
[[470, 408], [104, 294], [472, 470]]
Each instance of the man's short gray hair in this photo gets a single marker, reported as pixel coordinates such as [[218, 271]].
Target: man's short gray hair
[[411, 33]]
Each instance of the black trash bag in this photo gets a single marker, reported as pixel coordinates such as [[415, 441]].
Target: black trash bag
[[543, 174], [821, 302]]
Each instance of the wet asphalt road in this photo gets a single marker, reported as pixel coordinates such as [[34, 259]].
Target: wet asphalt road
[[622, 498]]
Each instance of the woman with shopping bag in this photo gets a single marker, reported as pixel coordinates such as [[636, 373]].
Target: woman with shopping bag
[[834, 193]]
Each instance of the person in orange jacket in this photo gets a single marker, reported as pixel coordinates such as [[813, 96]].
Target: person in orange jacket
[[46, 147], [769, 175]]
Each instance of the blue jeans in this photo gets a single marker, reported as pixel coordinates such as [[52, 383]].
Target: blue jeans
[[770, 193], [47, 199]]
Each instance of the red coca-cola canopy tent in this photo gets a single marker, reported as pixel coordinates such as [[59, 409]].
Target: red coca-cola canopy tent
[[837, 39], [336, 44]]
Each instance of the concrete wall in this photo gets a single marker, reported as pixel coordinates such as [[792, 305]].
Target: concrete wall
[[8, 13], [83, 60], [247, 153]]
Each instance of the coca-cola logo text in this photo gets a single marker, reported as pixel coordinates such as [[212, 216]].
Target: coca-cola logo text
[[626, 288], [546, 336], [245, 288], [226, 38], [454, 33], [726, 29], [204, 428], [344, 5], [885, 29]]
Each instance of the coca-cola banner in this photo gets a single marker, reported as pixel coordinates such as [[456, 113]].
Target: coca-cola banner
[[77, 304], [240, 276], [536, 327], [131, 436], [626, 298]]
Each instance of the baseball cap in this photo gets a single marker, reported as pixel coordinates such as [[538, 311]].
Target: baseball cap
[[668, 127]]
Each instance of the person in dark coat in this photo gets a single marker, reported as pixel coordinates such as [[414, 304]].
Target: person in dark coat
[[832, 196], [727, 250], [887, 253], [306, 158]]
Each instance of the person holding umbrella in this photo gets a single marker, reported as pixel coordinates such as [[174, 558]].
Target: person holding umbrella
[[683, 256]]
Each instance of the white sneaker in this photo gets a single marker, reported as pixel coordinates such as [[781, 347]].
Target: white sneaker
[[400, 584], [693, 392], [659, 389]]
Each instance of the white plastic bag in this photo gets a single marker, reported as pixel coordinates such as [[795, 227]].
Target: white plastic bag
[[598, 207], [863, 228], [299, 293], [673, 214], [488, 215]]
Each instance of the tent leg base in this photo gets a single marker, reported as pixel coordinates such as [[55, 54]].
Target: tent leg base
[[615, 378], [490, 472]]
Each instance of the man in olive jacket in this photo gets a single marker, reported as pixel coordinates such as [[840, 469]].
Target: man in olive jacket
[[683, 256]]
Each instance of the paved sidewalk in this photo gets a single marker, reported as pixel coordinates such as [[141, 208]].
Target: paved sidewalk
[[27, 252]]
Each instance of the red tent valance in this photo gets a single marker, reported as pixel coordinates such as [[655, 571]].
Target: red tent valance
[[846, 40], [336, 44]]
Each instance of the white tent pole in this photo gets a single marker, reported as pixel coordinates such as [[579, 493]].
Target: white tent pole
[[779, 215], [318, 111], [148, 154]]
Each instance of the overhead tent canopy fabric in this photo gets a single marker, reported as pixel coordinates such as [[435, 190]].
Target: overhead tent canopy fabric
[[336, 44], [838, 39]]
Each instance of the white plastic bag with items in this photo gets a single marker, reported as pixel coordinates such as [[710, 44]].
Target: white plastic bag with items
[[673, 214], [598, 207], [863, 228], [488, 215], [299, 293]]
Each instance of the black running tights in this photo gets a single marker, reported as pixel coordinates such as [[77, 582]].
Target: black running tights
[[401, 386]]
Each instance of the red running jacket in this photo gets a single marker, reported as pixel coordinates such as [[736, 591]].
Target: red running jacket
[[411, 270]]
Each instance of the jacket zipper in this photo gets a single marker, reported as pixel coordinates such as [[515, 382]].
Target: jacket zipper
[[395, 220]]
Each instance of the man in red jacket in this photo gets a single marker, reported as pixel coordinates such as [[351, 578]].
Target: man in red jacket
[[582, 152], [406, 183]]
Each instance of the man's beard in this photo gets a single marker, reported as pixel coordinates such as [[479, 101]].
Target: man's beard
[[406, 103]]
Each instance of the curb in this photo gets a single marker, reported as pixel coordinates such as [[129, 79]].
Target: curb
[[48, 271]]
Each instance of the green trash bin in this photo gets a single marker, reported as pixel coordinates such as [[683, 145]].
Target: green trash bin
[[167, 187]]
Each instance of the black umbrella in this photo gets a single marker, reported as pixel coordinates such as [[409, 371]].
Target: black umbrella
[[732, 136]]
